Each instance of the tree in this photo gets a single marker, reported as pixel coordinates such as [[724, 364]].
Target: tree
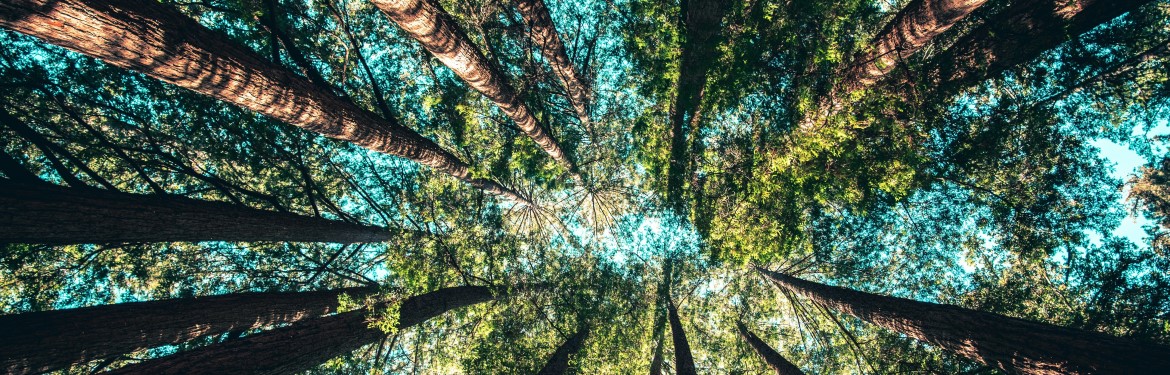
[[301, 346], [1007, 343], [558, 363], [684, 362], [39, 212], [174, 48], [702, 21], [544, 33], [52, 340], [431, 26], [774, 360]]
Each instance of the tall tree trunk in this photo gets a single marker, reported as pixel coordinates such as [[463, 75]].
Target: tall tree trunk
[[55, 215], [544, 33], [431, 26], [53, 340], [774, 360], [684, 363], [558, 363], [1013, 345], [660, 316], [702, 20], [302, 346], [159, 41], [1017, 35]]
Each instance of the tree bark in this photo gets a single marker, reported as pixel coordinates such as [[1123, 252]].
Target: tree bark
[[684, 363], [914, 27], [774, 360], [544, 33], [1013, 345], [159, 41], [302, 346], [431, 26], [55, 215], [558, 363], [54, 340], [1019, 34], [702, 21]]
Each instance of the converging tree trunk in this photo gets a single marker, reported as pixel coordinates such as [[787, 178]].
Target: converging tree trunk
[[159, 41], [684, 363], [431, 26], [558, 363], [45, 341], [1017, 35], [702, 20], [303, 345], [1013, 345], [774, 360], [544, 33], [55, 215]]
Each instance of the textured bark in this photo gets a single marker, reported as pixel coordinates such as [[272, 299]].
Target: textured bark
[[431, 26], [56, 215], [1019, 34], [558, 363], [1013, 345], [52, 340], [703, 23], [915, 25], [544, 33], [159, 41], [304, 345], [774, 360], [684, 363], [660, 316]]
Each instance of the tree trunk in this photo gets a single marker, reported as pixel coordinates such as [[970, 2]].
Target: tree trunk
[[304, 345], [55, 215], [559, 362], [915, 25], [159, 41], [53, 340], [774, 360], [431, 26], [660, 316], [1017, 35], [1013, 345], [703, 23], [684, 363], [544, 33]]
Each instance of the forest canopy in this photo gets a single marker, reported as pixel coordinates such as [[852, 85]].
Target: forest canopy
[[584, 187]]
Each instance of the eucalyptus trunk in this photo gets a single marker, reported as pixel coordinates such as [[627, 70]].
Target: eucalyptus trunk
[[1010, 344], [1017, 35], [544, 33], [431, 26], [777, 362], [53, 340], [558, 363], [702, 22], [305, 345], [159, 41], [49, 214]]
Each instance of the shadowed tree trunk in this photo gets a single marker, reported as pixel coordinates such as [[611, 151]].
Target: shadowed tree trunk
[[159, 41], [660, 316], [544, 33], [774, 360], [304, 345], [431, 26], [684, 363], [53, 340], [56, 215], [558, 363], [1013, 345], [702, 20], [1017, 35]]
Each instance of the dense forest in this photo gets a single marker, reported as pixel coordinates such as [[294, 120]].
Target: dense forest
[[585, 187]]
